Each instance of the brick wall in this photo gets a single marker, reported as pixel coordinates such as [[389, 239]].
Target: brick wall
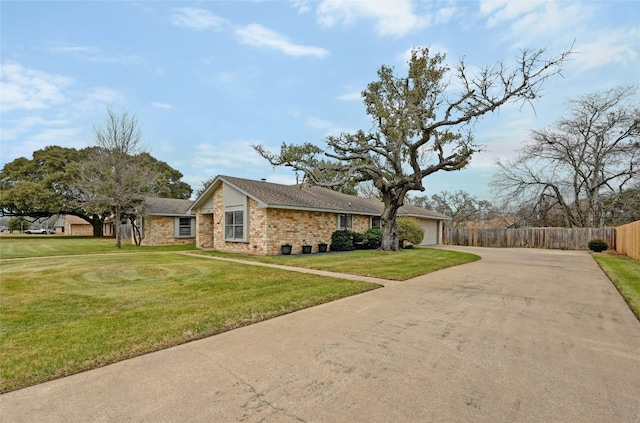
[[160, 230], [297, 228], [271, 228]]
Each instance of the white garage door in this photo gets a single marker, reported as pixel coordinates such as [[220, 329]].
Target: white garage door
[[430, 231]]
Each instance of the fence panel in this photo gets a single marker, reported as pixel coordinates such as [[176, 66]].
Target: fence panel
[[628, 239], [553, 238]]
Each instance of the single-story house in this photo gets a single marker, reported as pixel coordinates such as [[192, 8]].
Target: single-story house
[[258, 217], [73, 225], [167, 221]]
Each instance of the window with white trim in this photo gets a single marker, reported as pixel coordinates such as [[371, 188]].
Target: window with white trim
[[375, 222], [345, 221], [185, 227], [234, 226]]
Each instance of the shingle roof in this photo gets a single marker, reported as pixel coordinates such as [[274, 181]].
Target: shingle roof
[[166, 206], [308, 197]]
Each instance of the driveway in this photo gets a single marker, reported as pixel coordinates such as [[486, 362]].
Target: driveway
[[522, 335]]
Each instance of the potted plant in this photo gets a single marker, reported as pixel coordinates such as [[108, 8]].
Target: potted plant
[[306, 249], [285, 249], [322, 247]]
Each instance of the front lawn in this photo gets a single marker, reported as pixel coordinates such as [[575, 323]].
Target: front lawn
[[21, 246], [624, 272], [402, 265], [66, 314]]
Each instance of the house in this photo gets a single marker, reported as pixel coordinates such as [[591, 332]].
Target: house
[[257, 217], [167, 221], [73, 225]]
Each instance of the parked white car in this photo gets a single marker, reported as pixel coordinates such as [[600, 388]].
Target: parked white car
[[41, 231]]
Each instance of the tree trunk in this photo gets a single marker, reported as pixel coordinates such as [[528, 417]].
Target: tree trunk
[[97, 225], [116, 227], [390, 238]]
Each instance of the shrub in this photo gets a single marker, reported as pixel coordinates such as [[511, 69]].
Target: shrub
[[598, 245], [358, 240], [342, 240], [409, 230], [372, 239]]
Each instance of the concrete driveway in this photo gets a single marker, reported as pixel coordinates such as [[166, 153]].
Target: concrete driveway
[[522, 335]]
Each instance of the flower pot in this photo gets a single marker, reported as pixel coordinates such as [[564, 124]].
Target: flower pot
[[285, 249], [306, 249], [322, 248]]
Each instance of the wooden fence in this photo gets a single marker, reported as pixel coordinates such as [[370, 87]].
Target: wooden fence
[[554, 238], [628, 239]]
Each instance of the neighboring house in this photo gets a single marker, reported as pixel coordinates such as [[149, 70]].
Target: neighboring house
[[73, 225], [166, 221], [258, 217]]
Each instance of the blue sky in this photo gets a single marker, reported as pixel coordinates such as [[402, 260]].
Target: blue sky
[[207, 79]]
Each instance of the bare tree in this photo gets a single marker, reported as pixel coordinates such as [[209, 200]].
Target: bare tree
[[418, 127], [113, 178], [590, 156], [460, 206]]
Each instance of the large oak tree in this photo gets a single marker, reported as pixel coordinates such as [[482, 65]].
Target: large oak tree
[[421, 125]]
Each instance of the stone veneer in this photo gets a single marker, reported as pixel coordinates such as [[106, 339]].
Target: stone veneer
[[270, 228], [160, 230]]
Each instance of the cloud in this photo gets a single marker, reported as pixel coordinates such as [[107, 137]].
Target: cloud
[[393, 18], [161, 105], [350, 96], [610, 46], [214, 158], [258, 36], [28, 89], [94, 54], [188, 17]]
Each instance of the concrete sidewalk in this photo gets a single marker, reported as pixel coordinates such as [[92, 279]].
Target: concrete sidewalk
[[522, 335]]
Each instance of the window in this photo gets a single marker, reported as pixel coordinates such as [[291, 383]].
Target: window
[[234, 226], [375, 222], [345, 221], [185, 227]]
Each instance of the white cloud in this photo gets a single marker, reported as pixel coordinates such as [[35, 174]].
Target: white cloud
[[161, 105], [394, 18], [238, 156], [258, 36], [192, 18], [94, 54], [28, 89], [350, 96], [610, 46]]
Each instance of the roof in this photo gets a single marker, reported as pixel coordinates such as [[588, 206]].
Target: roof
[[309, 197], [166, 206]]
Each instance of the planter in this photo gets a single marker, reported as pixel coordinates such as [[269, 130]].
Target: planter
[[322, 247], [285, 249], [306, 249]]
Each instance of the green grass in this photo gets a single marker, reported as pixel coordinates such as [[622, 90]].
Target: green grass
[[379, 264], [66, 314], [21, 246], [70, 304], [624, 272]]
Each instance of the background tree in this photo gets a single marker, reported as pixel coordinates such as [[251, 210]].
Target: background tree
[[115, 177], [18, 224], [578, 171], [460, 206], [44, 186], [418, 127]]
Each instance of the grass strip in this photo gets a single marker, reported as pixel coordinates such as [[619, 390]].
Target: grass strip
[[396, 265], [624, 272], [29, 246]]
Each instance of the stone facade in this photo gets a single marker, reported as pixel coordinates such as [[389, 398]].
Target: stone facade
[[160, 230], [270, 228]]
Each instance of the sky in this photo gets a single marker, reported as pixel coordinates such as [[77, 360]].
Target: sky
[[209, 79]]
